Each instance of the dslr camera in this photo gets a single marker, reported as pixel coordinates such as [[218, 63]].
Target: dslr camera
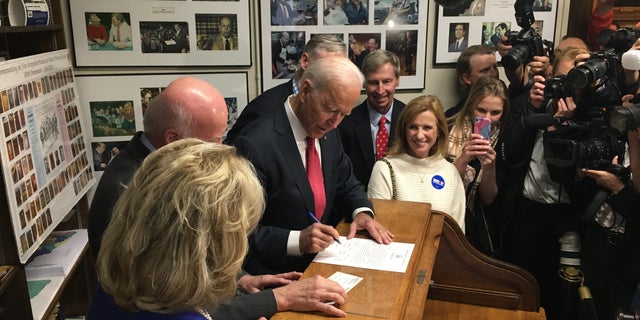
[[621, 40], [558, 87], [600, 66], [525, 43]]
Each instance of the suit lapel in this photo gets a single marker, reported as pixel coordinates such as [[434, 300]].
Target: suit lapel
[[395, 114], [287, 145], [362, 132]]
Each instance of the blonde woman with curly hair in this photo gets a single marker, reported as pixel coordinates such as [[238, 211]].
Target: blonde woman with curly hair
[[178, 235], [474, 155]]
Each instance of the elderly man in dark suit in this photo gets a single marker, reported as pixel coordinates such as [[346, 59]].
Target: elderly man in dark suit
[[225, 39], [364, 137], [305, 173], [189, 107], [318, 47]]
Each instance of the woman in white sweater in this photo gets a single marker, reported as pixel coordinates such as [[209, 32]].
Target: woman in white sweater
[[415, 168]]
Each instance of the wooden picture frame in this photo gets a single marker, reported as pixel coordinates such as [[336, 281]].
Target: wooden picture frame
[[137, 90], [160, 33]]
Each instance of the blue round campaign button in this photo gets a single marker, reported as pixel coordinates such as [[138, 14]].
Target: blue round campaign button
[[437, 182]]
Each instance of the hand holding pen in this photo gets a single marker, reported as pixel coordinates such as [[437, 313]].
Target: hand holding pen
[[317, 236], [313, 216]]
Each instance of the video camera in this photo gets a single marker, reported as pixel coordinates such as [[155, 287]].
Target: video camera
[[583, 144], [587, 140], [525, 43]]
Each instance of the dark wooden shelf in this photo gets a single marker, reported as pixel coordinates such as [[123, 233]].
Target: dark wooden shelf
[[23, 29], [7, 273]]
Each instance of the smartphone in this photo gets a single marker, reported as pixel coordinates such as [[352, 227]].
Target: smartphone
[[482, 126]]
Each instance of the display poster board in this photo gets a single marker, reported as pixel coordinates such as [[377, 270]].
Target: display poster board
[[397, 26], [161, 33], [484, 22], [45, 164], [112, 116]]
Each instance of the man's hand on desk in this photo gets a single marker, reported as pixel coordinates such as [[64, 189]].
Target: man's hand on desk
[[317, 237], [377, 231], [253, 284], [311, 294]]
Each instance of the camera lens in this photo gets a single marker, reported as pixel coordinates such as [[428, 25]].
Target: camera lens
[[621, 40], [515, 57], [587, 73], [557, 87], [595, 152], [623, 119]]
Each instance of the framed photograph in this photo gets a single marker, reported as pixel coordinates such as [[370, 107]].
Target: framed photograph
[[116, 114], [474, 22], [160, 33], [364, 26]]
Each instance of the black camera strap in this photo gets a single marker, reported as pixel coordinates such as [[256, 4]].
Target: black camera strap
[[599, 198]]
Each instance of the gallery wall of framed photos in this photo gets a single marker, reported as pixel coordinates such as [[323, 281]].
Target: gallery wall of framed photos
[[431, 70], [484, 22], [123, 33], [113, 116], [397, 26]]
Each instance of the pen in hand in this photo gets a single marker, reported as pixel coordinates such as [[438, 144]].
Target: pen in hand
[[313, 216]]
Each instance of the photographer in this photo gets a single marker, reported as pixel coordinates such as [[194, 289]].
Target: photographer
[[522, 77], [610, 241], [540, 207]]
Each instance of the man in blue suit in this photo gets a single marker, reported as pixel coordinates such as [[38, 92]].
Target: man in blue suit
[[320, 46], [358, 132], [284, 147]]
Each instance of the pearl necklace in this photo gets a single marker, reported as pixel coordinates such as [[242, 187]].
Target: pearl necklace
[[204, 313]]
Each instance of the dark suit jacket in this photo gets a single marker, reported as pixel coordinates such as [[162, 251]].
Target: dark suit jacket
[[248, 306], [463, 46], [265, 104], [217, 43], [115, 177], [355, 133], [269, 144]]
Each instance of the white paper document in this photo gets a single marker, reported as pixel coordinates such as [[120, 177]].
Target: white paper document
[[345, 280], [366, 253]]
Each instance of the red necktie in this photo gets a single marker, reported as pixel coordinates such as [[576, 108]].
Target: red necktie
[[382, 139], [314, 174], [118, 34]]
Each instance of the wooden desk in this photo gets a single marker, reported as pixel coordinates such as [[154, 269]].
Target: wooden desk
[[443, 264]]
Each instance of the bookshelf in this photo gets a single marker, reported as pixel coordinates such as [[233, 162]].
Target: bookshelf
[[72, 288], [21, 41]]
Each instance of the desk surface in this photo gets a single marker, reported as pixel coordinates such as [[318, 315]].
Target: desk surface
[[393, 295]]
